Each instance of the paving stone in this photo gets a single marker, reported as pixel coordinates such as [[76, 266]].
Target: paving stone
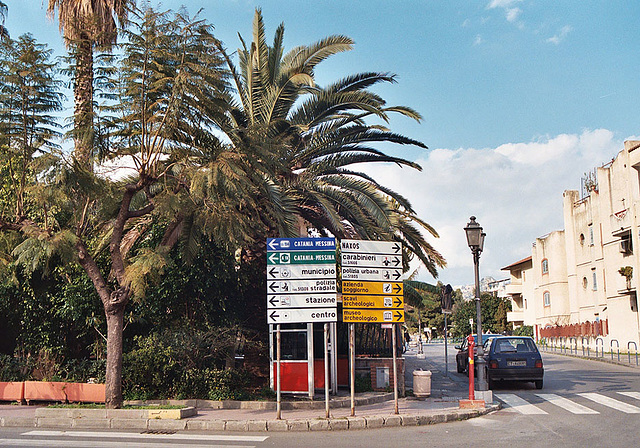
[[176, 425], [409, 420], [236, 425], [257, 425], [277, 425], [129, 423], [197, 425], [27, 422], [298, 425], [393, 420], [54, 422], [216, 425], [374, 422], [319, 425], [357, 422], [97, 423], [337, 424]]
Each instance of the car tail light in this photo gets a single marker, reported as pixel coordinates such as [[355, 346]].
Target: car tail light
[[539, 364], [493, 364]]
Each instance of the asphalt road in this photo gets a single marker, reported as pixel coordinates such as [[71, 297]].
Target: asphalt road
[[583, 404]]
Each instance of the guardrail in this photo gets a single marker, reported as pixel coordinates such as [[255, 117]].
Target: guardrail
[[569, 345], [629, 351]]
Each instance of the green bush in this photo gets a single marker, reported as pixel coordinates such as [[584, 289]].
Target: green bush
[[525, 330], [12, 368]]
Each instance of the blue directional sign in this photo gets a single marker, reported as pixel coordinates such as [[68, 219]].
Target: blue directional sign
[[300, 244]]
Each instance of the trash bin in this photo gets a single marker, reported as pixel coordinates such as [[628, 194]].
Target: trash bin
[[422, 383]]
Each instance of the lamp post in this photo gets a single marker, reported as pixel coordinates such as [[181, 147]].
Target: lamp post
[[475, 239]]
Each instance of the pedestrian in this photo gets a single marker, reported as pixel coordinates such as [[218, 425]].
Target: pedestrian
[[407, 339]]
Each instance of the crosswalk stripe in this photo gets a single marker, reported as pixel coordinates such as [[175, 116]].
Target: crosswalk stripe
[[133, 435], [52, 443], [611, 402], [520, 405], [567, 404], [635, 395]]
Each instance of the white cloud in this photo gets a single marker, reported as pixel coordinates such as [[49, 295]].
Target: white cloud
[[515, 191], [502, 3], [512, 14], [511, 11], [478, 40], [564, 31]]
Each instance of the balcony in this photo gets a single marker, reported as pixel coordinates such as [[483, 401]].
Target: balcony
[[515, 316], [514, 289]]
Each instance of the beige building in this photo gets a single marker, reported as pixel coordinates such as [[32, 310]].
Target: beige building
[[572, 287]]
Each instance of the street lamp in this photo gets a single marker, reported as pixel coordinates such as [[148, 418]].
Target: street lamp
[[475, 239]]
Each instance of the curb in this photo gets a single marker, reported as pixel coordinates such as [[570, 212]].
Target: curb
[[66, 420]]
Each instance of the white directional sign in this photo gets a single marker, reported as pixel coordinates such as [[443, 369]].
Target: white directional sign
[[372, 281], [301, 315], [301, 280]]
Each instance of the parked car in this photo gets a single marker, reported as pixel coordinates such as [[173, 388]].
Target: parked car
[[513, 358], [462, 357]]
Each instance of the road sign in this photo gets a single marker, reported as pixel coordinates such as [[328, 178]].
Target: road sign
[[301, 286], [367, 288], [301, 280], [372, 316], [300, 244], [383, 302], [371, 281], [302, 301], [372, 260], [308, 257], [371, 247], [301, 315], [372, 274], [300, 271]]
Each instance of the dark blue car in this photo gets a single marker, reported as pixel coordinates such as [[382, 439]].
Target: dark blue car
[[513, 358]]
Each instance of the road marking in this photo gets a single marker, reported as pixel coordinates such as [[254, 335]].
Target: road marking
[[133, 435], [611, 403], [49, 443], [635, 395], [520, 405], [567, 404]]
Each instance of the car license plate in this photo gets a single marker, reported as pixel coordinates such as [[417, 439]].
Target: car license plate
[[516, 363]]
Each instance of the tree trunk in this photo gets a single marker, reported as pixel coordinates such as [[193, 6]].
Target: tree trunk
[[113, 380], [83, 96]]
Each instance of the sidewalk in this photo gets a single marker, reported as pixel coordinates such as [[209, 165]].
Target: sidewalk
[[441, 406]]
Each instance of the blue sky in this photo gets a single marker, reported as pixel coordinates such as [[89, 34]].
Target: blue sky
[[520, 98]]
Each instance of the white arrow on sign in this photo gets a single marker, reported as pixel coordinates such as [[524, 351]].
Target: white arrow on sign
[[298, 315], [302, 301]]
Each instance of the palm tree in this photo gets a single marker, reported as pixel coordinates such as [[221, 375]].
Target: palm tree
[[4, 33], [87, 25], [313, 137]]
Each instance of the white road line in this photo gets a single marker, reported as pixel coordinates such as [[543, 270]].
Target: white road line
[[49, 443], [612, 403], [520, 405], [134, 435], [567, 404], [635, 395]]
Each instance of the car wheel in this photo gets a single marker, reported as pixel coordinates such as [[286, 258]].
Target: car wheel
[[539, 384], [459, 368]]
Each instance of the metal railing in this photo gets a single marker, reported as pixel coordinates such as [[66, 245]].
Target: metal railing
[[602, 345], [569, 345], [629, 351]]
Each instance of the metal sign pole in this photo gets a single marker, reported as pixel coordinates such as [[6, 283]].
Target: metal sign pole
[[326, 370], [278, 390], [446, 352], [352, 370], [395, 368]]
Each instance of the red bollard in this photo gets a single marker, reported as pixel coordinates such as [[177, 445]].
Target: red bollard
[[472, 345]]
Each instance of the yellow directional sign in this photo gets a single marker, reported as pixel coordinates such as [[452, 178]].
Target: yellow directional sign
[[390, 302], [372, 316], [371, 288]]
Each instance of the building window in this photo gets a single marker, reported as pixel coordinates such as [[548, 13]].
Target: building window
[[547, 298], [591, 241], [545, 266], [585, 282], [582, 239], [626, 245], [594, 283]]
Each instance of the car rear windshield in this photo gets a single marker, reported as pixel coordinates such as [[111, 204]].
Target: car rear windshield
[[514, 345]]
